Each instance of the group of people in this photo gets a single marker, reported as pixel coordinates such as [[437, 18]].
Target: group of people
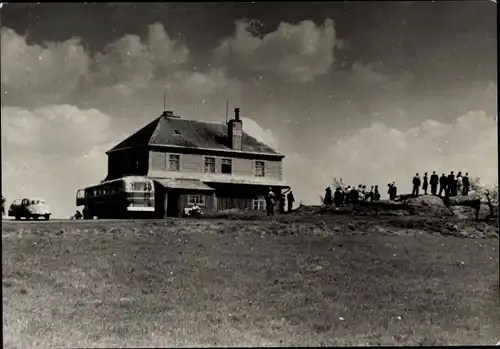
[[350, 195], [286, 197], [450, 185]]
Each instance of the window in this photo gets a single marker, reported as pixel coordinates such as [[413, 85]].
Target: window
[[260, 169], [259, 204], [210, 165], [80, 194], [174, 162], [196, 199], [226, 166], [140, 186]]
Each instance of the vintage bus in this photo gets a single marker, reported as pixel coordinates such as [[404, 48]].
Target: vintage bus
[[127, 197]]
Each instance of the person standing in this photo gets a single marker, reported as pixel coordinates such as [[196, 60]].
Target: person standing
[[416, 184], [327, 201], [443, 185], [425, 185], [459, 183], [466, 184], [337, 197], [290, 201], [376, 193], [434, 182], [347, 195], [393, 191], [270, 202], [451, 184]]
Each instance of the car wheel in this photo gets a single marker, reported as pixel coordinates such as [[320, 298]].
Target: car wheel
[[18, 218], [35, 218], [47, 217]]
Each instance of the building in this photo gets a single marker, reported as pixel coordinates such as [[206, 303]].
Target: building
[[215, 165]]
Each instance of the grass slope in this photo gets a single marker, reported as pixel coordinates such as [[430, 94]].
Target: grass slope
[[233, 283]]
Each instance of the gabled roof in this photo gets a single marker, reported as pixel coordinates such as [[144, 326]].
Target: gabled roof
[[179, 132]]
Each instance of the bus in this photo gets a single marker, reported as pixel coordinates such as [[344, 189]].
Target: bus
[[126, 197]]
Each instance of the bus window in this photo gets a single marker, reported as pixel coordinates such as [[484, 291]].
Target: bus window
[[80, 194], [139, 186]]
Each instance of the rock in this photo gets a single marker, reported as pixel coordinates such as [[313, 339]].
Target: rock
[[426, 201]]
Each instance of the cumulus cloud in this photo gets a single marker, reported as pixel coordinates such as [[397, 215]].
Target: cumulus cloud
[[379, 154], [52, 151], [297, 52], [49, 72]]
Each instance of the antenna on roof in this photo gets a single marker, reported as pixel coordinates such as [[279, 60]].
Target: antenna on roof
[[227, 110], [165, 100]]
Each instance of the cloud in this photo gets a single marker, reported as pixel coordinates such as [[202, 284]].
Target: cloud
[[379, 154], [52, 151], [49, 72], [296, 52]]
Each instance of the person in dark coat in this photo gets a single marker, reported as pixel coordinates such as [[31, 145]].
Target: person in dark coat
[[466, 184], [337, 197], [354, 196], [451, 184], [371, 194], [328, 197], [425, 185], [434, 182], [270, 202], [443, 185], [393, 191], [416, 184], [376, 194], [290, 200], [347, 195]]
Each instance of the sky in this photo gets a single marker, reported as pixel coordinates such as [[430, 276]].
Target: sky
[[371, 92]]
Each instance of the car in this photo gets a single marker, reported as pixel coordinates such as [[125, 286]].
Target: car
[[29, 208]]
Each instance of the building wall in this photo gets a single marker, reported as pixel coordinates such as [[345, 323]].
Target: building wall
[[194, 163]]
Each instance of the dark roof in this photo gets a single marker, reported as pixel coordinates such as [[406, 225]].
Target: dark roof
[[179, 132]]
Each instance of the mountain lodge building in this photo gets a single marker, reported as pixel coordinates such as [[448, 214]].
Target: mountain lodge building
[[215, 165]]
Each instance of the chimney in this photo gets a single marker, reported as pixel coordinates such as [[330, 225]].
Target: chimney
[[168, 114], [235, 130]]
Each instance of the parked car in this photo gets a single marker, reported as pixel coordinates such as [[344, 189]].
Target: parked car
[[29, 208]]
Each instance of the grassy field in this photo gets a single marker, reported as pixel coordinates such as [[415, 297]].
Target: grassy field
[[301, 282]]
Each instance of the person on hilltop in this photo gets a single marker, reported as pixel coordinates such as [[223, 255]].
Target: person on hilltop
[[443, 185], [393, 191], [347, 195], [376, 194], [466, 185], [337, 197], [425, 185], [451, 185], [459, 183], [416, 185], [354, 196], [327, 200], [434, 182]]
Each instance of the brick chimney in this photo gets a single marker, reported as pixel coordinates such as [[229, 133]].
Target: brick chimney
[[235, 130]]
